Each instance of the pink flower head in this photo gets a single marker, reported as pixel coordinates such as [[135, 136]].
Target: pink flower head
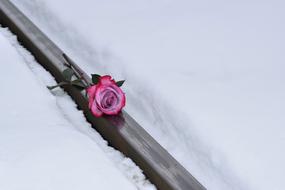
[[106, 97]]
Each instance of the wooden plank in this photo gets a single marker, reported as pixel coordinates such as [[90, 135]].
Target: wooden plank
[[122, 131]]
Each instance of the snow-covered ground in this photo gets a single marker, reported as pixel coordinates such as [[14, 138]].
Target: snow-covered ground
[[45, 142], [205, 78]]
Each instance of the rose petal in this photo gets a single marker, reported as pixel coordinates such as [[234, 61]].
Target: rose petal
[[91, 90], [119, 107], [91, 94], [92, 105], [94, 109], [106, 80], [121, 99]]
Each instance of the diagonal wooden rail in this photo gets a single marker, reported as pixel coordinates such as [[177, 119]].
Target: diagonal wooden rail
[[122, 131]]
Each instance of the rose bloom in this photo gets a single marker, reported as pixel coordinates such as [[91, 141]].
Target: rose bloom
[[106, 97]]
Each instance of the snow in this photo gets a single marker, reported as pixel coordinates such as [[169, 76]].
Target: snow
[[45, 141], [204, 78]]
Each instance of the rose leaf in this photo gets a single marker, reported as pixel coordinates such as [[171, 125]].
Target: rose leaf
[[120, 83], [95, 78], [58, 85], [67, 74], [78, 84]]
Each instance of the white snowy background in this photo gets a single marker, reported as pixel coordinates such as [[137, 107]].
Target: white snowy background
[[204, 78]]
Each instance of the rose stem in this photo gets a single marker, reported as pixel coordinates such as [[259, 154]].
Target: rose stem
[[78, 71]]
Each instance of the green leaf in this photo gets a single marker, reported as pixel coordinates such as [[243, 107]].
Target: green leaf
[[67, 74], [78, 87], [120, 83], [78, 84], [51, 87], [58, 85], [95, 78]]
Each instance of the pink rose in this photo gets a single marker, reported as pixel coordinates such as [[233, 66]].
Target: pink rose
[[106, 97]]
